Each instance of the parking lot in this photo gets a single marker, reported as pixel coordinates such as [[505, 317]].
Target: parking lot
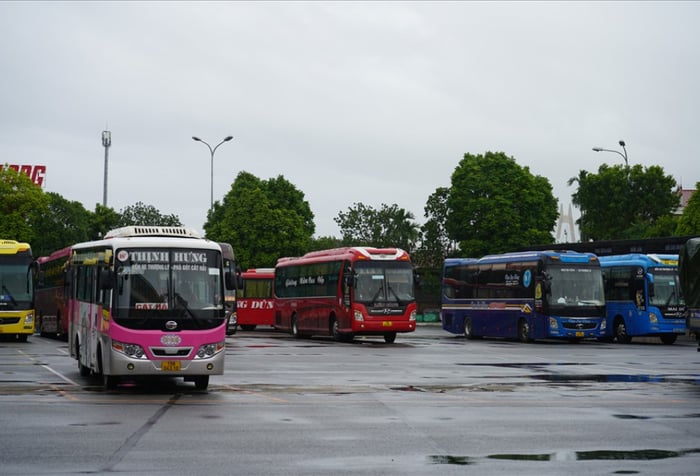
[[431, 403]]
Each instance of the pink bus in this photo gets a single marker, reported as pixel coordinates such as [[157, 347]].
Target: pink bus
[[256, 305], [148, 301]]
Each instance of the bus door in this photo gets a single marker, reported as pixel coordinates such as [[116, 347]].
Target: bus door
[[639, 294]]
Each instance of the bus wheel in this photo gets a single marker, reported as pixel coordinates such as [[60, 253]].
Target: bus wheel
[[620, 331], [468, 330], [201, 382], [108, 381], [295, 328], [390, 337], [335, 332], [84, 371], [668, 339], [524, 331], [22, 337]]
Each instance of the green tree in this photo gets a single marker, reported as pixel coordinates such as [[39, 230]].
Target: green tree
[[263, 220], [65, 223], [142, 214], [495, 205], [689, 222], [102, 220], [624, 202], [22, 203], [390, 226], [435, 242], [325, 243]]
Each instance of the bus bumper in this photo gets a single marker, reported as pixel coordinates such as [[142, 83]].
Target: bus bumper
[[123, 365], [17, 323]]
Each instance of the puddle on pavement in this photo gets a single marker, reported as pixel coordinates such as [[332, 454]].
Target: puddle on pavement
[[631, 455]]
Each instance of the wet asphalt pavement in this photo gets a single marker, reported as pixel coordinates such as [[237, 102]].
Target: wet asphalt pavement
[[432, 403]]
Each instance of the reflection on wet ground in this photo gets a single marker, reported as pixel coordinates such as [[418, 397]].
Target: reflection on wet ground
[[583, 377], [639, 455]]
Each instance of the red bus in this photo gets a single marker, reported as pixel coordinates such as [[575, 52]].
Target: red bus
[[50, 294], [255, 305], [344, 292]]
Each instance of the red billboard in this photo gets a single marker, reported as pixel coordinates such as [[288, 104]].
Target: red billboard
[[34, 172]]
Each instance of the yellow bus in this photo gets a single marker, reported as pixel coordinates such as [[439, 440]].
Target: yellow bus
[[16, 290]]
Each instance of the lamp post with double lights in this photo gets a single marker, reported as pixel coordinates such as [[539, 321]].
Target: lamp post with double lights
[[622, 144], [226, 139]]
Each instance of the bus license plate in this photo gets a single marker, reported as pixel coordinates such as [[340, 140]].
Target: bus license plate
[[579, 334], [170, 365], [387, 323]]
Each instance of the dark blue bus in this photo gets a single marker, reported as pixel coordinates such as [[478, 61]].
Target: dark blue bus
[[525, 295]]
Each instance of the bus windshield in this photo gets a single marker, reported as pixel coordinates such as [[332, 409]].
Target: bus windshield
[[575, 286], [387, 282], [15, 284], [168, 283], [667, 291]]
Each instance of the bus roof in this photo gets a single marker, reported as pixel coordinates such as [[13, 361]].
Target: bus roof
[[520, 256], [62, 253], [352, 253], [640, 259], [151, 236], [162, 231], [12, 247], [249, 273]]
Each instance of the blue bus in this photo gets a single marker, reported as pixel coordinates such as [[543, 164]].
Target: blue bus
[[643, 297], [526, 295]]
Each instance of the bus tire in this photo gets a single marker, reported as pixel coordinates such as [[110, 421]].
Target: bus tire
[[524, 331], [22, 337], [668, 339], [295, 328], [82, 369], [390, 337], [201, 382], [335, 330], [469, 329], [620, 331], [109, 382]]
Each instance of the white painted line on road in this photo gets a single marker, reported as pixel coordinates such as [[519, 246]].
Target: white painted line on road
[[58, 374]]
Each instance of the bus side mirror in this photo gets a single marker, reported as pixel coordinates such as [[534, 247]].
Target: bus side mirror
[[350, 280], [547, 284], [106, 277], [650, 285], [417, 279]]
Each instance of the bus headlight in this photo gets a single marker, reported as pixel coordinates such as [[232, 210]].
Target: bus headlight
[[28, 319], [603, 324], [412, 317], [209, 350], [358, 315], [653, 318], [134, 351]]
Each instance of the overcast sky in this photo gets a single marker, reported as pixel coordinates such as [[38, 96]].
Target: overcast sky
[[350, 101]]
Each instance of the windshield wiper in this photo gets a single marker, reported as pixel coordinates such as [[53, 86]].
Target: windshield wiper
[[9, 294], [391, 290], [182, 302]]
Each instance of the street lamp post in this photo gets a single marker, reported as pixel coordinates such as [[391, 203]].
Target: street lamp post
[[226, 139], [622, 144]]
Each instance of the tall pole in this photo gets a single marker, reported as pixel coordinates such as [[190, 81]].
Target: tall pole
[[211, 151], [622, 144], [106, 142]]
